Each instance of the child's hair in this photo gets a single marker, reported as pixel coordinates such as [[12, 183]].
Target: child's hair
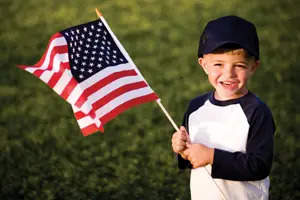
[[234, 49], [229, 30]]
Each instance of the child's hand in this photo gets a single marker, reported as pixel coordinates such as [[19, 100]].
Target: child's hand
[[199, 155], [179, 140]]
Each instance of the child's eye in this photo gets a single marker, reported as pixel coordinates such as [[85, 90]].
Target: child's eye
[[218, 65], [240, 66]]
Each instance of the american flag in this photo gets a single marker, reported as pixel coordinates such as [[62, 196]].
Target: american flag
[[89, 68]]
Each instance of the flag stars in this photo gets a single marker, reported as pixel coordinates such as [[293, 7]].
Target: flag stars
[[91, 48]]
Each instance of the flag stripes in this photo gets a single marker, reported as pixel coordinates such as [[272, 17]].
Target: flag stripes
[[100, 97]]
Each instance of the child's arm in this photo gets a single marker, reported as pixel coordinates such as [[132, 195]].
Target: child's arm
[[256, 163]]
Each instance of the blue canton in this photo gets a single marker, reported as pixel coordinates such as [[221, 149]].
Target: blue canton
[[91, 49]]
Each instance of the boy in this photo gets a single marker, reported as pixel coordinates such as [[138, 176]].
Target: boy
[[227, 134]]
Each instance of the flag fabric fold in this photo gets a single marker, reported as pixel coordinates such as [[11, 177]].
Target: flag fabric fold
[[88, 67]]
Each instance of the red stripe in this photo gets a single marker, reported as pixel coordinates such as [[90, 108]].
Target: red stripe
[[121, 108], [57, 35], [56, 50], [54, 78], [38, 72], [101, 83], [69, 88], [80, 114], [114, 94], [91, 129]]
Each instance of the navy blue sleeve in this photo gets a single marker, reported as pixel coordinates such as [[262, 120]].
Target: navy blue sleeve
[[256, 163], [182, 163]]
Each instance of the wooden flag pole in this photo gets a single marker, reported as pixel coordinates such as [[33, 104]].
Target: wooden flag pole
[[167, 114]]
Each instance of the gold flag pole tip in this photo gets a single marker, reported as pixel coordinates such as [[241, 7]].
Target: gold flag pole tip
[[98, 12]]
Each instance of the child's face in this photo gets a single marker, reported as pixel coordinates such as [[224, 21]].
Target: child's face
[[228, 72]]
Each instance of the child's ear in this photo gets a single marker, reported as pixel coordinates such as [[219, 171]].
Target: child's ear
[[203, 64], [255, 65]]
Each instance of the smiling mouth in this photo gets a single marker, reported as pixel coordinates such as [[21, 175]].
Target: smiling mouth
[[230, 84]]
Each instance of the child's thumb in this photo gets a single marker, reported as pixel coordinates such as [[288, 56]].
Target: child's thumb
[[188, 144]]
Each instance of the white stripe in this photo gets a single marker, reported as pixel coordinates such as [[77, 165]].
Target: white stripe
[[46, 76], [62, 82], [113, 86], [75, 94], [86, 121], [122, 99], [58, 59], [61, 41], [104, 73]]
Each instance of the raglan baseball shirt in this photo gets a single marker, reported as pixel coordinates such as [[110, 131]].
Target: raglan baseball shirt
[[241, 132]]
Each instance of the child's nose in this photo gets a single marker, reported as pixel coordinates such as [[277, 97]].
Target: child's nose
[[229, 71]]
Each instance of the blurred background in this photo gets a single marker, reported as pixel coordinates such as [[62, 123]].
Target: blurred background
[[43, 154]]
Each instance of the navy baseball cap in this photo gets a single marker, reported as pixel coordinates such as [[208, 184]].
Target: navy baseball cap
[[229, 30]]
